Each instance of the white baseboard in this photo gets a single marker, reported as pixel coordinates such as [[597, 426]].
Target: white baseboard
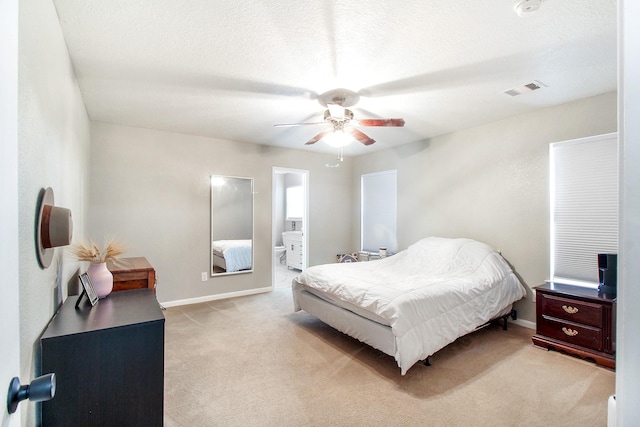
[[524, 323], [215, 297], [611, 414]]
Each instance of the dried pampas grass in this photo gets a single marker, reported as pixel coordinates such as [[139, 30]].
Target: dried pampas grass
[[95, 254]]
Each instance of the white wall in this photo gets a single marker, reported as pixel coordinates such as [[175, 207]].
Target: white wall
[[151, 190], [53, 132], [279, 208], [628, 348], [9, 286], [488, 183]]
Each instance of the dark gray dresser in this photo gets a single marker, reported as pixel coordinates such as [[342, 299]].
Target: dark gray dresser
[[108, 360]]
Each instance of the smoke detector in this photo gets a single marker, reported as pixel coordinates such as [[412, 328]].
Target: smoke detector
[[527, 7]]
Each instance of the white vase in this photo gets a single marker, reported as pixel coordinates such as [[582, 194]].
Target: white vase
[[101, 279]]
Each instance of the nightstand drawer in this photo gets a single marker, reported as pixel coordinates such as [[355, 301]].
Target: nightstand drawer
[[572, 310], [572, 333]]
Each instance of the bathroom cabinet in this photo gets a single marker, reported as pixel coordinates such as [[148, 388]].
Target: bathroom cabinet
[[294, 246]]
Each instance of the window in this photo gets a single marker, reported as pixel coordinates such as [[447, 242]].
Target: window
[[584, 206], [378, 211], [295, 202]]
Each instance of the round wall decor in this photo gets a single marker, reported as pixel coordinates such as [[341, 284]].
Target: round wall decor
[[54, 228]]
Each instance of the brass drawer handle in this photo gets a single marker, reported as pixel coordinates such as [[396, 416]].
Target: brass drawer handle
[[569, 331], [570, 310]]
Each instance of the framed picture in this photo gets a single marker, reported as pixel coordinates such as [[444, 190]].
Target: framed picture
[[87, 289]]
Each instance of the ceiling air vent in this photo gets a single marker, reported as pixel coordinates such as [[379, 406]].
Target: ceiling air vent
[[525, 88]]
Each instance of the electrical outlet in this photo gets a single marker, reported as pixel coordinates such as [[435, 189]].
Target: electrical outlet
[[205, 277]]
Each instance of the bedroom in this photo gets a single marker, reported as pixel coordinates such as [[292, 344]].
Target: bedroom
[[92, 166]]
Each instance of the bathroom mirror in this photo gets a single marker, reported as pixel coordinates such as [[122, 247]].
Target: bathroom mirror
[[231, 225]]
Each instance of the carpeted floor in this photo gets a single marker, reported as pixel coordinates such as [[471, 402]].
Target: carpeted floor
[[252, 361]]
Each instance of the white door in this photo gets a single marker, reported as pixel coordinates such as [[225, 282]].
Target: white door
[[9, 314]]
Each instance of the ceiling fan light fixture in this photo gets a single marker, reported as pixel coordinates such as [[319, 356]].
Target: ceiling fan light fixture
[[337, 111], [338, 139], [339, 118]]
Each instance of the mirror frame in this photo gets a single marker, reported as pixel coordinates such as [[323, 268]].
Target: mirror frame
[[213, 209]]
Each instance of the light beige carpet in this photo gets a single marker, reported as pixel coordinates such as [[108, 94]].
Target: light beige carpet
[[252, 361]]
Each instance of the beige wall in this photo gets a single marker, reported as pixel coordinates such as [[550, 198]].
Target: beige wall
[[150, 189], [488, 183], [53, 151]]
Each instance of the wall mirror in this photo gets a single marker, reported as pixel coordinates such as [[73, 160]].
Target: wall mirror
[[231, 225]]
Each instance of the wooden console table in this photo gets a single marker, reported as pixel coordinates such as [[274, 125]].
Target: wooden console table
[[132, 273]]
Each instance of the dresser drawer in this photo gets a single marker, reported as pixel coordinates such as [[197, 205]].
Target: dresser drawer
[[573, 310], [572, 333], [127, 281]]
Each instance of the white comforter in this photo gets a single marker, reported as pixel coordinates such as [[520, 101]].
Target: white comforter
[[430, 294], [237, 253]]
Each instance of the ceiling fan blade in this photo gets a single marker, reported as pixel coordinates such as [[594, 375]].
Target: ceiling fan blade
[[284, 125], [318, 137], [381, 122], [361, 137]]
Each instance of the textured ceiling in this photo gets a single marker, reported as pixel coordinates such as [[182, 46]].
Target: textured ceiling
[[231, 69]]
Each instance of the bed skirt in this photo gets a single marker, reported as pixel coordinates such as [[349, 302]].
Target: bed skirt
[[369, 332], [372, 333]]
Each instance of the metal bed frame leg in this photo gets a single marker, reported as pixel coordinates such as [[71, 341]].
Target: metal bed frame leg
[[514, 316]]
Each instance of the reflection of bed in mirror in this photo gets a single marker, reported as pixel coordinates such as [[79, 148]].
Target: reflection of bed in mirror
[[414, 303], [231, 255]]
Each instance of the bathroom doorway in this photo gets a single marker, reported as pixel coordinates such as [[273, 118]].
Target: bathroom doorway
[[290, 222]]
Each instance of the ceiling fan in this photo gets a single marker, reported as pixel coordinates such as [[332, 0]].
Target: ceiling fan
[[343, 130]]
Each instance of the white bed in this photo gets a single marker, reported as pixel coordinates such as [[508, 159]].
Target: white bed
[[414, 303], [232, 255]]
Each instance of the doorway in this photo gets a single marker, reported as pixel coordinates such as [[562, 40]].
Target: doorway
[[290, 223]]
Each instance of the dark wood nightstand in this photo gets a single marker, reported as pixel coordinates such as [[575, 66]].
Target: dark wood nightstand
[[576, 320]]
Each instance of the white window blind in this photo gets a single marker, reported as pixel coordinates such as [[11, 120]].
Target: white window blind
[[584, 206], [379, 211]]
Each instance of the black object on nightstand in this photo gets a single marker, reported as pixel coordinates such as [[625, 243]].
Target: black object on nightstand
[[577, 320], [608, 274], [108, 360]]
